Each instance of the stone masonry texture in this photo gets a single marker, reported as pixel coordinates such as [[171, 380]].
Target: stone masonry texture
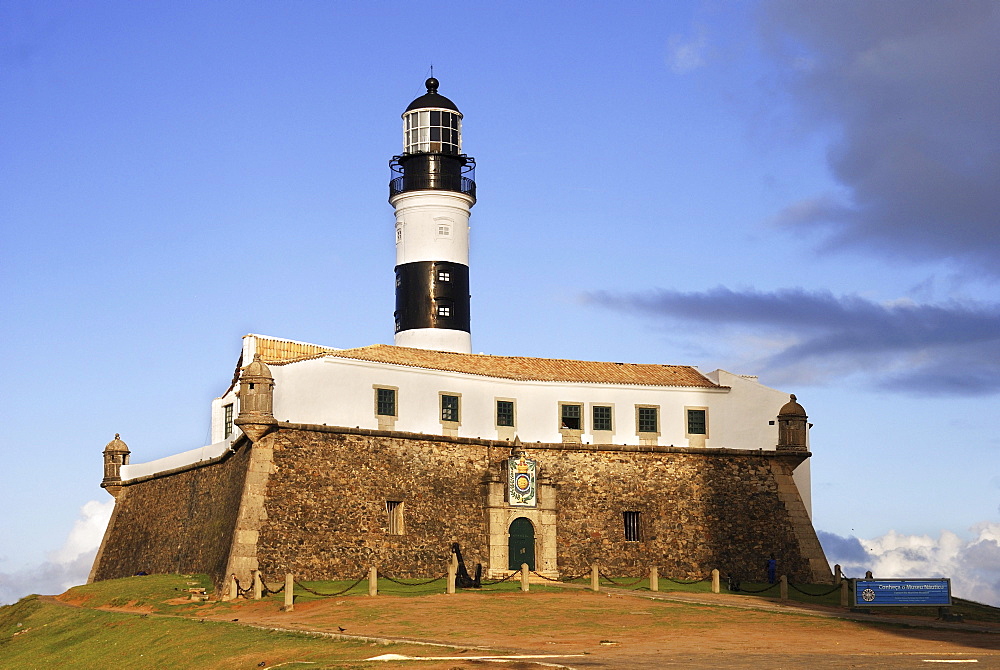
[[326, 507], [181, 522], [325, 517]]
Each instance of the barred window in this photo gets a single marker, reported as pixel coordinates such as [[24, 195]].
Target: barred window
[[648, 420], [570, 417], [385, 402], [505, 413], [633, 527], [697, 422], [449, 408], [602, 417], [394, 508], [227, 424]]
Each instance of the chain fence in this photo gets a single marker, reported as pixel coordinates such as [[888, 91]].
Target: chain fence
[[687, 583], [499, 581], [561, 580], [621, 585], [834, 588], [330, 595], [402, 583]]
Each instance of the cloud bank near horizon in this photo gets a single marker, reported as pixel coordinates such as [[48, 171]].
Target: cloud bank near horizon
[[911, 92], [973, 565], [67, 566], [799, 336]]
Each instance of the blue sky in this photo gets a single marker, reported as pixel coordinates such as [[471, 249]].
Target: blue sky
[[804, 191]]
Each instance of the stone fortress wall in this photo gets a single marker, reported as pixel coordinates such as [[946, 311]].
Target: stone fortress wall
[[317, 508], [180, 522]]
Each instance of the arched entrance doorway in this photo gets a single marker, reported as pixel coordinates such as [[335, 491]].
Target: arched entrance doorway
[[521, 545]]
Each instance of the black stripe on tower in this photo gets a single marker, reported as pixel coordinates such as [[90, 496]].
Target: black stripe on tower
[[432, 294]]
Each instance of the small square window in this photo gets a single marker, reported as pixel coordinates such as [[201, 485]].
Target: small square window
[[633, 526], [385, 402], [227, 424], [444, 231], [648, 420], [444, 310], [505, 413], [449, 408], [570, 417], [602, 417], [444, 276], [697, 423]]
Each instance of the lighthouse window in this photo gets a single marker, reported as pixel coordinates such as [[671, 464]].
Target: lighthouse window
[[227, 425], [444, 276], [444, 310], [444, 230], [431, 132]]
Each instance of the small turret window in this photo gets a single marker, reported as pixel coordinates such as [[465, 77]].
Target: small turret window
[[432, 131], [227, 422]]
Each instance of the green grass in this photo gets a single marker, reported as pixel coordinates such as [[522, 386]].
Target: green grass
[[142, 591], [37, 634]]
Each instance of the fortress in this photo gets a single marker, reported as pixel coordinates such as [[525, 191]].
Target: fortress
[[325, 461]]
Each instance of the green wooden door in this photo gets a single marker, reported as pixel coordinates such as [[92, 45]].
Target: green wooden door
[[521, 545]]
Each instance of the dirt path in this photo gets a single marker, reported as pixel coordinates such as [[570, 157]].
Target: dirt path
[[581, 629]]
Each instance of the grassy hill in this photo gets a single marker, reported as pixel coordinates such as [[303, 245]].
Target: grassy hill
[[149, 622]]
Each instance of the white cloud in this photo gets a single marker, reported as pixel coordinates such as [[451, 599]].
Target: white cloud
[[67, 566], [973, 565], [686, 54]]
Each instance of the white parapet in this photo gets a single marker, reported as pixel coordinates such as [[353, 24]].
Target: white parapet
[[206, 453]]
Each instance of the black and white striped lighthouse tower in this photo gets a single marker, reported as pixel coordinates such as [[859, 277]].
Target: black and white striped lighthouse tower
[[433, 189]]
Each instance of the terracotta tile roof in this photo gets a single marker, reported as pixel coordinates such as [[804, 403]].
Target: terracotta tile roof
[[504, 367]]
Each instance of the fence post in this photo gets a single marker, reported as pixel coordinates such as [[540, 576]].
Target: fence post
[[373, 581], [654, 578], [451, 577], [524, 577], [783, 587], [715, 580], [595, 578], [289, 592], [845, 591], [838, 575], [255, 576]]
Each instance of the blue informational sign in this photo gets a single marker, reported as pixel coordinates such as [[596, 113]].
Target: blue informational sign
[[897, 592]]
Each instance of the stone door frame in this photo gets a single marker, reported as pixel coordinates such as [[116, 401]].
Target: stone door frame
[[500, 515]]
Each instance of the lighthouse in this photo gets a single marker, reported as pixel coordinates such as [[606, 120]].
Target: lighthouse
[[432, 190]]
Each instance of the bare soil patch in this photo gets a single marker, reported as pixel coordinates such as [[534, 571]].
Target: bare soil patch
[[598, 630]]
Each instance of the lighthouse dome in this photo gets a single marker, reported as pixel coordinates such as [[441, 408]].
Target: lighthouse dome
[[432, 99]]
